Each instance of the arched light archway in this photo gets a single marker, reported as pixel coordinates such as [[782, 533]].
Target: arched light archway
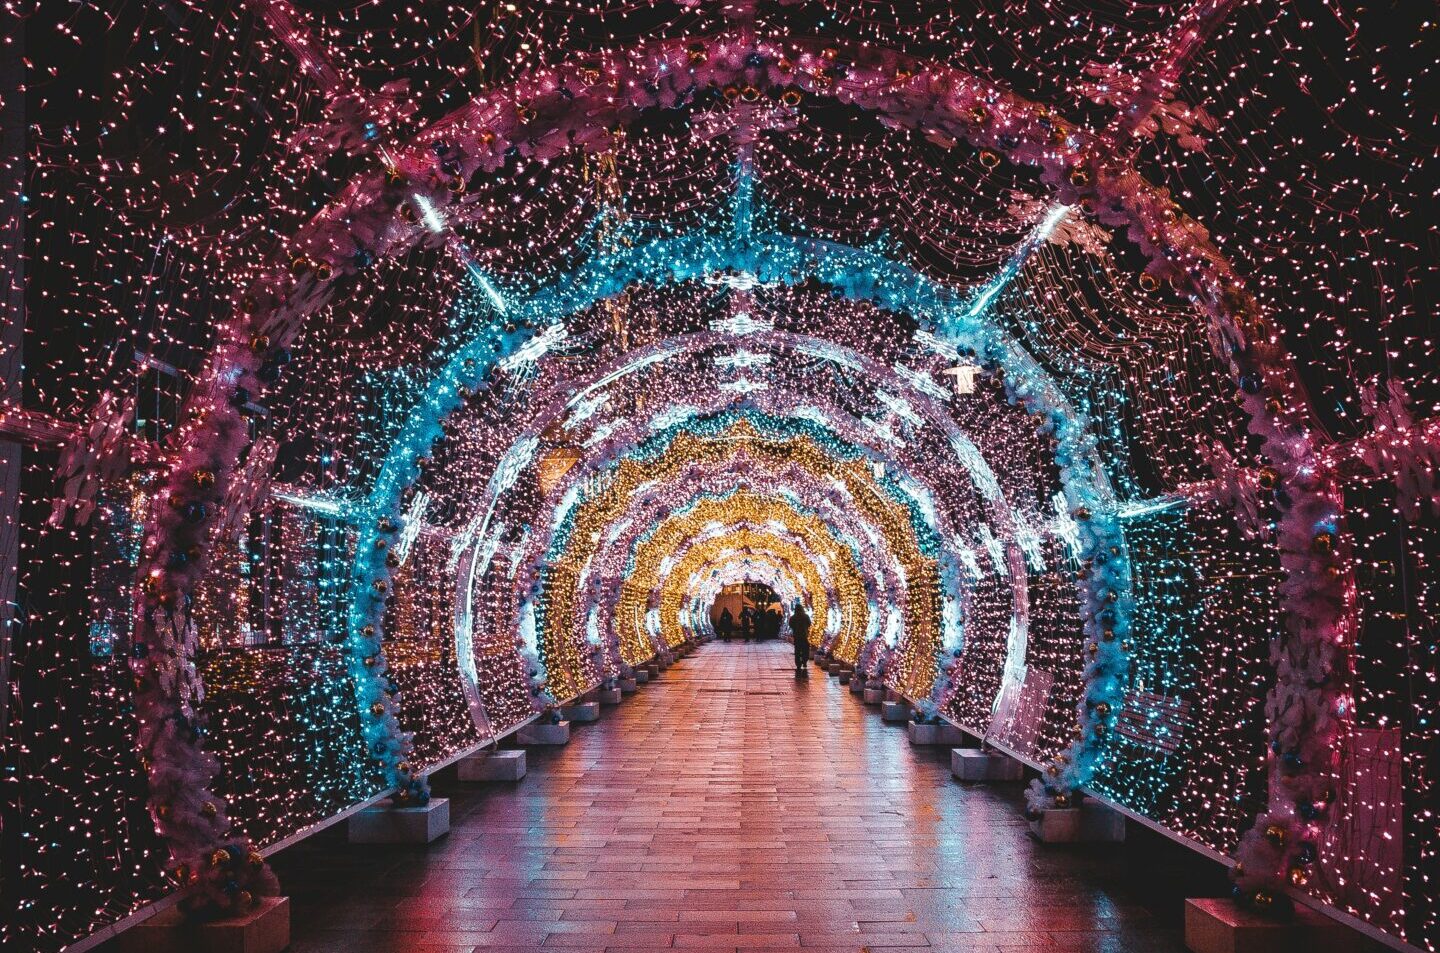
[[579, 104]]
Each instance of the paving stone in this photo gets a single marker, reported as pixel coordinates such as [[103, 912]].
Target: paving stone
[[729, 806]]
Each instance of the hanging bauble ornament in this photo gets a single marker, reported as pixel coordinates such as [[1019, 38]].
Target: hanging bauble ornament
[[989, 159], [1276, 835], [377, 709], [1148, 282], [209, 810], [1079, 177], [1323, 543], [1251, 382]]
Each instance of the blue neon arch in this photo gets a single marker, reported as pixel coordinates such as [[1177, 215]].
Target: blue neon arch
[[957, 323]]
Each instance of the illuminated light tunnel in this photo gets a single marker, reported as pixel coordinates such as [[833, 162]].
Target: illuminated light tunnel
[[395, 389]]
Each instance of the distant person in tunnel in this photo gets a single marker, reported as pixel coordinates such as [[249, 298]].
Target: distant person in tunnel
[[800, 629], [774, 619], [747, 623], [725, 627]]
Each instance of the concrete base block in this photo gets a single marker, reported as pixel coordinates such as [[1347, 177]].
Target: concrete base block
[[611, 696], [628, 685], [835, 667], [583, 713], [536, 733], [654, 669], [1091, 823], [1060, 826], [265, 929], [874, 696], [972, 764], [857, 685], [942, 733], [506, 765], [386, 824], [642, 676], [894, 711], [1222, 926], [845, 677], [891, 695]]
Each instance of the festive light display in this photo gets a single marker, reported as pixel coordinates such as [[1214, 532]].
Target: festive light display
[[389, 377]]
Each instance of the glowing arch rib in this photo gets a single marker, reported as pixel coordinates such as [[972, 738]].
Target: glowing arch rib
[[856, 274], [615, 555]]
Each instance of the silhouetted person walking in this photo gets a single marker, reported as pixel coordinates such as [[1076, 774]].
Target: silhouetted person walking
[[726, 626], [800, 628], [747, 623]]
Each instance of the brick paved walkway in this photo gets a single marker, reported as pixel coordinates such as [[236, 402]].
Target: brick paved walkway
[[728, 807]]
